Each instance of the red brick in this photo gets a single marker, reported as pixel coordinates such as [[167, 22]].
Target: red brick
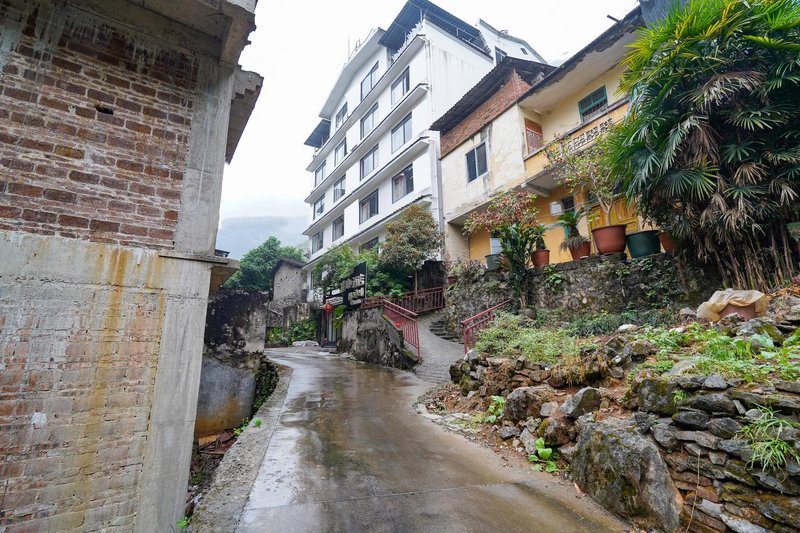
[[120, 185], [17, 164], [68, 151], [42, 217], [138, 128], [129, 106], [139, 188], [130, 165], [72, 221], [22, 189], [100, 96], [52, 103], [7, 211], [119, 142], [66, 65], [28, 119], [121, 206], [110, 119], [103, 225], [171, 215], [83, 177], [169, 194], [34, 144], [63, 129], [52, 171], [91, 135], [19, 94], [118, 82], [156, 171], [128, 229], [60, 196], [85, 112], [143, 89], [153, 112], [73, 88], [160, 234]]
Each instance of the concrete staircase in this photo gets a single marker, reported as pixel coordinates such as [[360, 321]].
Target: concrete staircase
[[439, 329], [438, 348]]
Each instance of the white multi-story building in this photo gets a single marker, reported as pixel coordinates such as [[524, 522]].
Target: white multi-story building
[[374, 154]]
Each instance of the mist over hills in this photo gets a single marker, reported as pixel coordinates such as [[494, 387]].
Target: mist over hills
[[240, 234]]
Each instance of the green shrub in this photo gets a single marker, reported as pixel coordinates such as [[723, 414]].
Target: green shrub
[[512, 336], [301, 330]]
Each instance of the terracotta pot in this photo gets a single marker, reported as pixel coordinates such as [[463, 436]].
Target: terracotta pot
[[610, 239], [584, 250], [747, 312], [540, 258], [667, 242]]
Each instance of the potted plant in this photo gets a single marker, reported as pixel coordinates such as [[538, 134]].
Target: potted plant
[[511, 216], [642, 243], [577, 244], [589, 170], [540, 255]]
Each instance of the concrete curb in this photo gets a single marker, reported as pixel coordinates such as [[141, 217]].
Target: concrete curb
[[222, 505]]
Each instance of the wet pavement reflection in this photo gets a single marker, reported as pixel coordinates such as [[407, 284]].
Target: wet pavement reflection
[[349, 454]]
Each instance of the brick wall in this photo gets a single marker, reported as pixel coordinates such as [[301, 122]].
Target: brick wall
[[492, 108], [95, 134]]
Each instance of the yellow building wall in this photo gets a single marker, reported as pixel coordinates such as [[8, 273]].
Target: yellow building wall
[[479, 245]]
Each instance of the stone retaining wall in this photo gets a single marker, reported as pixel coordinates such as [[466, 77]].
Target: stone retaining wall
[[371, 337]]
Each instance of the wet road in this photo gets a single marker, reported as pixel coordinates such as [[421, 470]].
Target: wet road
[[350, 454]]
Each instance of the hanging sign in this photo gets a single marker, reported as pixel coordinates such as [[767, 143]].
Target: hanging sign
[[352, 291]]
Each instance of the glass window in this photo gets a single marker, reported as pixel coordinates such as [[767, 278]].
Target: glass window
[[499, 56], [593, 105], [369, 81], [341, 152], [401, 134], [533, 136], [316, 242], [476, 162], [400, 87], [319, 174], [403, 184], [369, 245], [338, 189], [341, 116], [369, 162], [319, 207], [495, 246], [369, 121], [338, 228], [368, 207]]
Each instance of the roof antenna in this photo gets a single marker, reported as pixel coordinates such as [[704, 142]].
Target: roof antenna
[[612, 18]]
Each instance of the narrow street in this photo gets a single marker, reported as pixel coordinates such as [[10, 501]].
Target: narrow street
[[349, 453]]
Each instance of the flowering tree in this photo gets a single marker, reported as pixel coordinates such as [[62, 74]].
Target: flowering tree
[[513, 217], [587, 169], [411, 240]]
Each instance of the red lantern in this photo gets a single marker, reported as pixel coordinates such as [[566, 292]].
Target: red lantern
[[327, 308]]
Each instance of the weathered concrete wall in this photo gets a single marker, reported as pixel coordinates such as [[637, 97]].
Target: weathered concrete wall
[[370, 337], [100, 361], [114, 123], [225, 398], [288, 286]]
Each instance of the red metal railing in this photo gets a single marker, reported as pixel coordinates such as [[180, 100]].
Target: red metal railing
[[405, 320], [471, 326], [418, 302]]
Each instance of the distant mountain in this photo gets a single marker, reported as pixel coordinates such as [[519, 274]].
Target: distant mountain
[[241, 234]]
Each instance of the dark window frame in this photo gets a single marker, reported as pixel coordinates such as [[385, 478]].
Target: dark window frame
[[368, 200], [371, 114], [372, 154], [339, 221], [320, 170], [341, 117], [406, 174], [317, 242], [336, 159], [404, 81], [593, 105], [404, 126], [372, 77], [340, 192], [474, 166]]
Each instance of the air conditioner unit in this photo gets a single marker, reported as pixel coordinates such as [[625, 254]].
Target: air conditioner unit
[[556, 208]]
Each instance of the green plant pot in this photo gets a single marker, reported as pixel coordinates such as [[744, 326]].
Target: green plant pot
[[642, 243], [493, 262]]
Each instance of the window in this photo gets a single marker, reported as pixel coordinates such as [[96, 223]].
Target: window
[[369, 121], [341, 151], [369, 162], [400, 87], [316, 242], [499, 56], [341, 116], [403, 184], [369, 81], [524, 52], [568, 203], [338, 189], [533, 135], [319, 174], [495, 246], [476, 162], [368, 207], [401, 133], [338, 228], [593, 105], [369, 245], [319, 207]]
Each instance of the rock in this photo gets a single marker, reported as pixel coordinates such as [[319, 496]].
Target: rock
[[703, 438], [693, 449], [687, 312], [753, 415], [664, 434], [738, 448], [468, 384], [689, 382], [585, 401], [715, 382], [782, 484], [740, 525], [495, 361], [644, 421], [718, 458], [627, 328], [760, 326], [556, 431], [715, 402], [472, 357], [657, 396], [539, 376], [624, 471], [526, 401], [710, 508], [508, 432], [638, 350], [532, 424], [457, 371], [781, 401], [780, 508], [548, 408], [568, 452], [528, 440], [692, 419], [788, 386], [305, 344], [724, 427]]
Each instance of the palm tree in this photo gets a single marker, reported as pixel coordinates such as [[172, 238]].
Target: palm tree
[[710, 149], [570, 220]]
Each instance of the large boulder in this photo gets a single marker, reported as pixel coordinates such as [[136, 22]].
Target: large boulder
[[585, 401], [657, 395], [623, 470], [526, 401]]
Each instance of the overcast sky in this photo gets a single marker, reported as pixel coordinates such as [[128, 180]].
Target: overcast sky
[[300, 47]]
